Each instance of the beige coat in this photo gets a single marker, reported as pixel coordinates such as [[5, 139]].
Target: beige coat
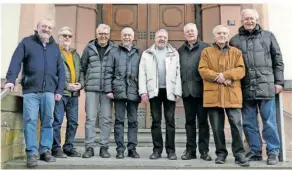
[[148, 73]]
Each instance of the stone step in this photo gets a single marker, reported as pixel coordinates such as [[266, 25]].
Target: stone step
[[144, 162], [145, 138]]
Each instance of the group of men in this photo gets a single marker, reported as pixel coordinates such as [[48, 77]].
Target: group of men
[[233, 77]]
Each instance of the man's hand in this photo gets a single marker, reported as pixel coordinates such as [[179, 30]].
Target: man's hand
[[76, 87], [9, 86], [177, 98], [144, 97], [110, 95], [58, 97], [220, 78], [278, 88], [227, 82]]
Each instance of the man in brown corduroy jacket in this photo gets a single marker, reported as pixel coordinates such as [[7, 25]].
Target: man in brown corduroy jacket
[[221, 68]]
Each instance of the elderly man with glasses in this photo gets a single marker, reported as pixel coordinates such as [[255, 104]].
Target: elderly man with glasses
[[69, 101]]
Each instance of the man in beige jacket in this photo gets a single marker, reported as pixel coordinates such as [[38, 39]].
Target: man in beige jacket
[[160, 82]]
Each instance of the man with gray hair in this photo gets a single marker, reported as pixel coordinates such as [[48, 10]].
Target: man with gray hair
[[93, 63], [160, 82], [222, 68], [264, 79], [192, 92], [121, 85], [43, 80], [69, 101]]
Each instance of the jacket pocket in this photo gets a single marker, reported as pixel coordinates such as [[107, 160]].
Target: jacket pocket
[[235, 95], [211, 93]]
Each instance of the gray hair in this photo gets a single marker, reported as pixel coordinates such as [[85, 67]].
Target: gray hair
[[64, 29], [190, 25], [103, 26], [47, 19], [161, 30], [215, 29], [255, 13], [127, 28]]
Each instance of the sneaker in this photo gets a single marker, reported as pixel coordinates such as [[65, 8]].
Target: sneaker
[[205, 156], [103, 152], [252, 156], [47, 156], [120, 155], [59, 154], [89, 152], [187, 155], [32, 161], [155, 155], [273, 159], [220, 160], [241, 160], [172, 156], [133, 154], [72, 153]]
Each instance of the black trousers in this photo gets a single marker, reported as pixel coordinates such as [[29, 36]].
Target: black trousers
[[217, 120], [194, 109], [120, 107], [156, 113]]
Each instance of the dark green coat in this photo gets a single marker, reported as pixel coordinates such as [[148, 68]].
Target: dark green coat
[[76, 60]]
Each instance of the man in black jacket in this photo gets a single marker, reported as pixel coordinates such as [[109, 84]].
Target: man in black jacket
[[192, 87], [121, 85], [93, 62], [264, 78], [43, 81]]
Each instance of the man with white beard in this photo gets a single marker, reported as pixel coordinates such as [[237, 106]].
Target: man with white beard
[[69, 101], [42, 82]]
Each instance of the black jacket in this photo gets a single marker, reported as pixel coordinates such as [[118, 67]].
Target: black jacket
[[121, 73], [93, 67], [263, 61], [43, 69], [192, 83]]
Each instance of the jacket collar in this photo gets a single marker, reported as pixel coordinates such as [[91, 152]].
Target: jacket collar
[[151, 50], [224, 49], [195, 45], [63, 49], [37, 38], [255, 31]]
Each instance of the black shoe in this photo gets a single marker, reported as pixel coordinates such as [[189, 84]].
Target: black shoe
[[187, 155], [155, 155], [220, 160], [47, 156], [272, 159], [72, 153], [172, 156], [251, 156], [103, 152], [205, 156], [89, 152], [59, 153], [120, 155], [32, 161], [241, 160], [133, 154]]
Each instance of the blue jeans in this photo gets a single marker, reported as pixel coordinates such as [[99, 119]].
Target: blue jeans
[[267, 109], [32, 104], [70, 106]]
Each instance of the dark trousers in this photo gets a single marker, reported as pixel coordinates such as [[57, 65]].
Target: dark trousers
[[194, 109], [217, 120], [120, 108], [70, 106], [156, 113]]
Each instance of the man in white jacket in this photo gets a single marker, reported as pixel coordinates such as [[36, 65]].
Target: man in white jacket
[[160, 82]]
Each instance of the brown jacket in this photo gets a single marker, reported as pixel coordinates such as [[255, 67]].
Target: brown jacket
[[228, 61]]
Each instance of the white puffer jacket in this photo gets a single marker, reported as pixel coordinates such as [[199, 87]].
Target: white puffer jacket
[[148, 73]]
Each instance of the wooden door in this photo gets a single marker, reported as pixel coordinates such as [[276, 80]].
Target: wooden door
[[146, 20]]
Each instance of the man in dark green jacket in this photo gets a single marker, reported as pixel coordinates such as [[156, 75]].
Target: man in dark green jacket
[[69, 101]]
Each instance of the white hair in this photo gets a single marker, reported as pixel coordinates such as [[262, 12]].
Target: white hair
[[253, 11], [191, 25], [103, 26], [127, 28], [215, 29], [65, 29], [46, 19]]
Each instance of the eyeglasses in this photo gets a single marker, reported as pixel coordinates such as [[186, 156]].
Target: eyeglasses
[[66, 35]]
